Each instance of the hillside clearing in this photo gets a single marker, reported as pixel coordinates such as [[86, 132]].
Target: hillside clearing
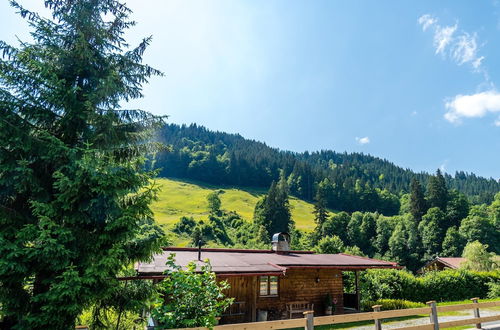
[[180, 198]]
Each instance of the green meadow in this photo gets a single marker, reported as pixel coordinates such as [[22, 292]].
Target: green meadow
[[180, 198]]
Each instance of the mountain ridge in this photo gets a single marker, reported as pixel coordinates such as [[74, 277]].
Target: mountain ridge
[[228, 158]]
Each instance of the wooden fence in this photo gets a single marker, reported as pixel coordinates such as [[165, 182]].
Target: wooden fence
[[377, 316]]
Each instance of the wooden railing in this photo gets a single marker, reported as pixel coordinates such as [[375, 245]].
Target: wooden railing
[[377, 316]]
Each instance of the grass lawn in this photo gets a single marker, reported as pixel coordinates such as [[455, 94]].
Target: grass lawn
[[180, 198]]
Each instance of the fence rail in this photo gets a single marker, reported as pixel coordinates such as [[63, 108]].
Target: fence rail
[[377, 316]]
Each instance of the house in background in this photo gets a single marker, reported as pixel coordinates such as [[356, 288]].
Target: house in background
[[441, 264], [273, 282]]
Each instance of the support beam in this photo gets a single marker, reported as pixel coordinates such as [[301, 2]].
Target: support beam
[[358, 297], [253, 297]]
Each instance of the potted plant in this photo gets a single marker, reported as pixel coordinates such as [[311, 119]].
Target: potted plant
[[328, 304]]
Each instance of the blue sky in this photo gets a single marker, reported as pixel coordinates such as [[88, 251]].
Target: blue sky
[[413, 82]]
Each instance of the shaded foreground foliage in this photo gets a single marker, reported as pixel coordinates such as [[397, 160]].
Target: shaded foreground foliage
[[74, 194]]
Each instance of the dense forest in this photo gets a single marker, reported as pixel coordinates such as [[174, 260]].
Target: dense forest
[[435, 221], [379, 210], [352, 181]]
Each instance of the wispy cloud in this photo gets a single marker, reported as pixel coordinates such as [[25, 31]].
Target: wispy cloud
[[363, 140], [426, 21], [466, 49], [443, 37], [473, 106], [460, 47]]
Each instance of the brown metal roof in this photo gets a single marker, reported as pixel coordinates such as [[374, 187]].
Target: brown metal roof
[[453, 263], [227, 261]]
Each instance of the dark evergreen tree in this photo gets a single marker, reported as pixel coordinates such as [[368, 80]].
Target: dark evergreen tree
[[457, 208], [74, 193], [437, 192], [417, 200], [320, 212], [273, 210]]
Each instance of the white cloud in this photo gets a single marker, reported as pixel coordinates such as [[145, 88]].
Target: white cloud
[[363, 140], [460, 47], [497, 122], [443, 165], [465, 50], [473, 106], [443, 37], [426, 21]]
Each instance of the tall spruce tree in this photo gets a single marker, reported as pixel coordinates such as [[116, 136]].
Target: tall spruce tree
[[320, 211], [437, 192], [74, 192], [273, 210], [417, 200]]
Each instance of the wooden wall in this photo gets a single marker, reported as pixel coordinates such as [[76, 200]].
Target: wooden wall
[[296, 285]]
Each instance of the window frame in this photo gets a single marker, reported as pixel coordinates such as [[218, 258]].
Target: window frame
[[268, 286]]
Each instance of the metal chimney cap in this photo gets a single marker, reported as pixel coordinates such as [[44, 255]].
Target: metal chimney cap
[[281, 237]]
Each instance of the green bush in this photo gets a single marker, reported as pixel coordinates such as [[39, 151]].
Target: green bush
[[448, 285], [388, 284], [390, 304], [190, 297], [494, 291]]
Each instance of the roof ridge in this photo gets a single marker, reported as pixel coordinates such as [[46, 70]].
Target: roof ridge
[[176, 248], [366, 258]]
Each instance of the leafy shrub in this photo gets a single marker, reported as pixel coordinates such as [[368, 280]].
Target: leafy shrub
[[388, 284], [494, 291], [445, 285], [190, 297], [184, 226], [390, 304]]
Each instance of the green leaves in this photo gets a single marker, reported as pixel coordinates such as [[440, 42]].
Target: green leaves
[[190, 297]]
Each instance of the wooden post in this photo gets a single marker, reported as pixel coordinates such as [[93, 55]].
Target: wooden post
[[309, 316], [476, 312], [358, 300], [253, 302], [434, 315], [378, 322]]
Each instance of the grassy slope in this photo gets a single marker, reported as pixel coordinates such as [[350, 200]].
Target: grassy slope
[[179, 198]]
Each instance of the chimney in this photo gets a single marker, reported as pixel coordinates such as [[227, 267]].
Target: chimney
[[281, 243]]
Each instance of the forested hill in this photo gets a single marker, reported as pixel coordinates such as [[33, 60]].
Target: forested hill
[[353, 181]]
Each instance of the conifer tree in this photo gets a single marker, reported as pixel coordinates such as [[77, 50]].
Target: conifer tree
[[437, 192], [74, 192], [273, 210], [417, 200], [320, 211]]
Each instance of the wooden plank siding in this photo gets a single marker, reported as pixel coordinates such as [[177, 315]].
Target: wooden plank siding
[[299, 284]]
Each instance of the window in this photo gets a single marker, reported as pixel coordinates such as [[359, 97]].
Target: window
[[268, 286]]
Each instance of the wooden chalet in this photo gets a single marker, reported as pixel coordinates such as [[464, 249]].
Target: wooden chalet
[[441, 264], [278, 282]]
